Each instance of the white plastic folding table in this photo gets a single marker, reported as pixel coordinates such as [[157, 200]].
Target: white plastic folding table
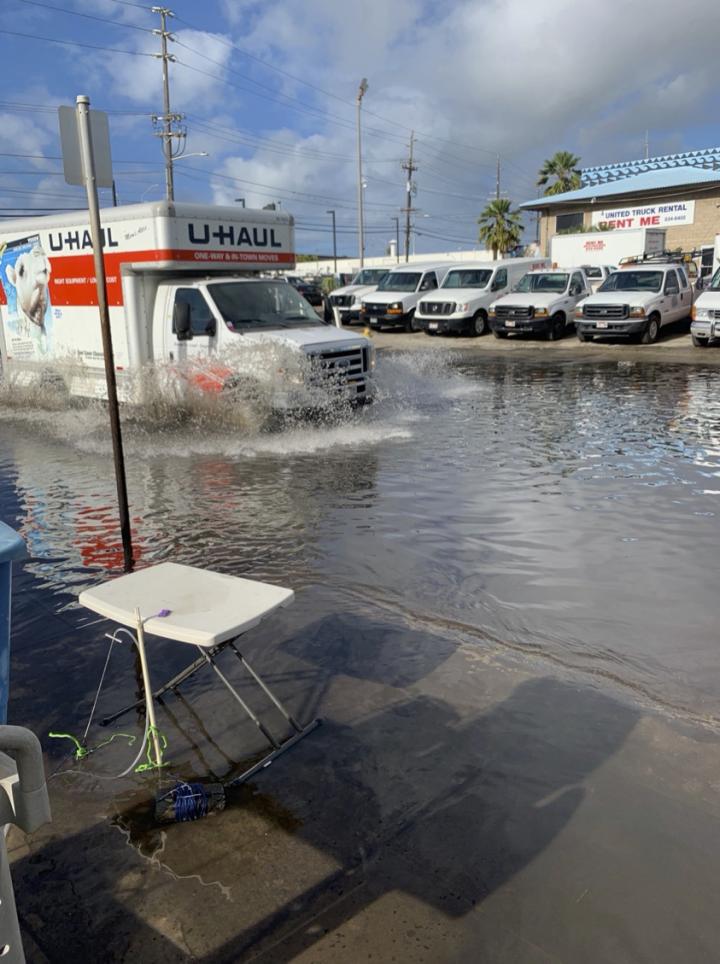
[[204, 609]]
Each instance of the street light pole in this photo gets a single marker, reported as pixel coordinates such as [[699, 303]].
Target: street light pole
[[397, 238], [361, 229], [334, 242]]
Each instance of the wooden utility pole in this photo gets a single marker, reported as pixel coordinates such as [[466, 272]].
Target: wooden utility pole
[[410, 167]]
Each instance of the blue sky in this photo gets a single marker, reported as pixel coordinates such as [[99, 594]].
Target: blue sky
[[268, 90]]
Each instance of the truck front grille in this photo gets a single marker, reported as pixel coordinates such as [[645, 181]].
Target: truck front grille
[[374, 309], [342, 366], [521, 312], [603, 312], [437, 307]]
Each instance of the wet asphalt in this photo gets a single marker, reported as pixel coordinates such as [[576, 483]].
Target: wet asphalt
[[483, 787]]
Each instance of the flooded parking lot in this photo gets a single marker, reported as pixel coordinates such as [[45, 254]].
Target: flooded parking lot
[[502, 569]]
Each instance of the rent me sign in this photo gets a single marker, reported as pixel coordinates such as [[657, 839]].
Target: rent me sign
[[648, 216]]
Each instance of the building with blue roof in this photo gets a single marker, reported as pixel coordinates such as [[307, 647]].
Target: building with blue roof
[[677, 192]]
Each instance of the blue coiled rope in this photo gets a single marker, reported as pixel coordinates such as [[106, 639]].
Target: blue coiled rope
[[191, 801]]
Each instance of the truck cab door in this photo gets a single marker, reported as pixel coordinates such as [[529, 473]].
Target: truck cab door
[[686, 297], [199, 342]]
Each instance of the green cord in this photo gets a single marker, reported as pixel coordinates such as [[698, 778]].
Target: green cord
[[81, 751], [153, 764]]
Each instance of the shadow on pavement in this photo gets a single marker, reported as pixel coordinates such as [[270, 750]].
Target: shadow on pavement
[[418, 800]]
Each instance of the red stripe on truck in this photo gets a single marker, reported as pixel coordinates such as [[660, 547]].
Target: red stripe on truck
[[72, 277]]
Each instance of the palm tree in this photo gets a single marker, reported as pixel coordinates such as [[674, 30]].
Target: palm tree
[[564, 167], [500, 228]]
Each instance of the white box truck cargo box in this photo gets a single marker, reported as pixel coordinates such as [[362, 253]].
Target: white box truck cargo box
[[160, 258], [605, 247]]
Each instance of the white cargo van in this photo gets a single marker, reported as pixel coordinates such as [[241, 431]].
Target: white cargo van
[[185, 299], [636, 301], [394, 302], [542, 303], [462, 301], [348, 299]]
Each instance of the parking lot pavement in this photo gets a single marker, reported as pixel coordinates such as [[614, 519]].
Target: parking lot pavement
[[675, 345]]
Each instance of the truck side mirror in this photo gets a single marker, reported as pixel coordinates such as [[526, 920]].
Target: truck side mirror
[[181, 321]]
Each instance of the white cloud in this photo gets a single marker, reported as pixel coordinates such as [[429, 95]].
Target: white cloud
[[513, 76], [193, 78]]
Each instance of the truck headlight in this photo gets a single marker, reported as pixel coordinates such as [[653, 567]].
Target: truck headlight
[[541, 312], [578, 313], [395, 308], [372, 358], [491, 311], [700, 314], [463, 307], [637, 312]]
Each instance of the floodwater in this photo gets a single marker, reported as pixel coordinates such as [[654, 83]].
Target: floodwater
[[566, 511], [506, 584]]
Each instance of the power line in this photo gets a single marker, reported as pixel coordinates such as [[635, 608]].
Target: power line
[[74, 43], [87, 16]]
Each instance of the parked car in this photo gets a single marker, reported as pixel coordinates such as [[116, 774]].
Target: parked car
[[348, 299], [598, 274], [394, 302], [310, 291], [461, 303], [636, 302], [543, 303]]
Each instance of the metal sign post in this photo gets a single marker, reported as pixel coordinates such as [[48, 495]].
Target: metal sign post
[[83, 137]]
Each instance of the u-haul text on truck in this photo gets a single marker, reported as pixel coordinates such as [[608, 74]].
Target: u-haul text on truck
[[185, 294]]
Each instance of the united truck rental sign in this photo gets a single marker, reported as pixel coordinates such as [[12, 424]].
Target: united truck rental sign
[[648, 216]]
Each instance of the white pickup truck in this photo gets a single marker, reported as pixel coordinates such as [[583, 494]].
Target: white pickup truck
[[705, 326], [188, 308], [636, 302], [542, 303]]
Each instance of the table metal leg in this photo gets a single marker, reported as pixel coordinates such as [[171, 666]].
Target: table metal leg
[[228, 685], [267, 760], [288, 716], [170, 685]]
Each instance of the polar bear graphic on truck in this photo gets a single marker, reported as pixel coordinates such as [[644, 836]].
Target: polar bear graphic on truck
[[30, 276]]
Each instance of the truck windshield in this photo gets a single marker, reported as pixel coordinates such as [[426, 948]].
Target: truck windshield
[[633, 281], [400, 281], [467, 279], [543, 282], [369, 276], [252, 305], [714, 285]]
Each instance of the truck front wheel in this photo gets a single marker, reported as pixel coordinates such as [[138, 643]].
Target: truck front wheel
[[700, 342], [411, 324], [652, 330], [557, 327]]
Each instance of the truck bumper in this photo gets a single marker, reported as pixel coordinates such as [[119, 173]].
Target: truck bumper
[[443, 326], [706, 330], [385, 321], [528, 326], [613, 329], [348, 316]]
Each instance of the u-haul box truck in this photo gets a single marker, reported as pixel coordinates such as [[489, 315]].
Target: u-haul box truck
[[186, 299]]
